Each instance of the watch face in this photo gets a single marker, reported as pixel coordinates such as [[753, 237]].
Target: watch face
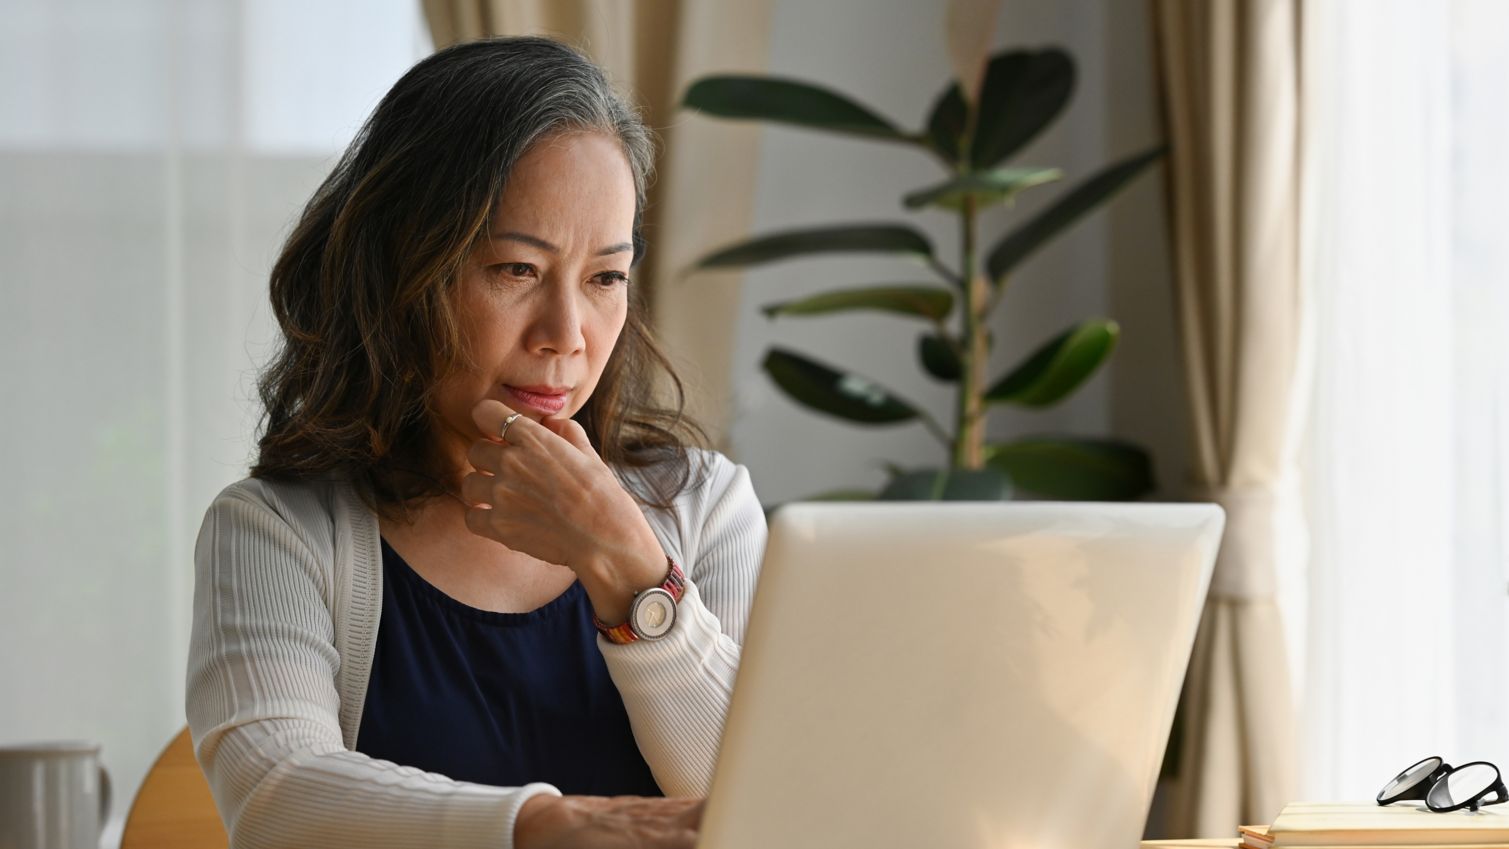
[[653, 614]]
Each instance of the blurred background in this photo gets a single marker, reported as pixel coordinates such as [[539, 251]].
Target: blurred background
[[1309, 289]]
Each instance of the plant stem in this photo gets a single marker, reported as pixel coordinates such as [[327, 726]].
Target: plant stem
[[969, 435]]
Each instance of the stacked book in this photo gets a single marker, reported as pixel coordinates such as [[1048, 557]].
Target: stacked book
[[1314, 825]]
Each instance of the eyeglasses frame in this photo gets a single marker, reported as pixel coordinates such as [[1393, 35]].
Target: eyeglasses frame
[[1497, 788]]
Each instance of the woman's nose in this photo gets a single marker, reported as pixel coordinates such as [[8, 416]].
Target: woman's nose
[[557, 325]]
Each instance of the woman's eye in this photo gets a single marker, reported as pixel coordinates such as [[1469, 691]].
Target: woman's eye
[[515, 269], [613, 278]]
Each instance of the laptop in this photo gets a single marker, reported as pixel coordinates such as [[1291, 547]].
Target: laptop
[[961, 675]]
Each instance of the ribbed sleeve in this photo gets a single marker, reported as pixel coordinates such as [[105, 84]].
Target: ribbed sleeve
[[264, 708], [676, 689]]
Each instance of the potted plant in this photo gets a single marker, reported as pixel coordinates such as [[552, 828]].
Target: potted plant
[[1019, 94]]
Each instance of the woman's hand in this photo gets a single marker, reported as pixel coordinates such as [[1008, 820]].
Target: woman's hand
[[603, 822], [545, 492]]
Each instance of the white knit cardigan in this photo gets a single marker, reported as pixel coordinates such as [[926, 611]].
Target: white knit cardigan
[[287, 597]]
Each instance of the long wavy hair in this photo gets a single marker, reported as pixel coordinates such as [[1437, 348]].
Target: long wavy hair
[[363, 287]]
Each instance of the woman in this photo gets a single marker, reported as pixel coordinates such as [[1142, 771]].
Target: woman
[[479, 589]]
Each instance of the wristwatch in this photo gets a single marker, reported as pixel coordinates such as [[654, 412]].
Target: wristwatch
[[651, 613]]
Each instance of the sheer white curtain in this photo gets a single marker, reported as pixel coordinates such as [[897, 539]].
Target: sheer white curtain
[[1408, 255], [152, 155]]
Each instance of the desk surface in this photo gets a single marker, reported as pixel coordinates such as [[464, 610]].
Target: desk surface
[[1207, 843]]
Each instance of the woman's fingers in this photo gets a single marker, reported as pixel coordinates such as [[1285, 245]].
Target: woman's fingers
[[477, 520], [618, 822], [569, 430], [489, 416], [556, 499], [477, 488], [485, 456], [692, 817]]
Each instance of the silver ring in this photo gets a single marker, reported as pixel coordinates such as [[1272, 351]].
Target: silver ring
[[503, 434]]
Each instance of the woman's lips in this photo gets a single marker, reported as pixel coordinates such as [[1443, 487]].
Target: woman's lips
[[547, 403]]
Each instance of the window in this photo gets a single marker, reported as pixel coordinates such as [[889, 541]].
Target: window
[[153, 153], [1408, 464]]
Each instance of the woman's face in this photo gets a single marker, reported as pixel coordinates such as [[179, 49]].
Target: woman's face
[[542, 299]]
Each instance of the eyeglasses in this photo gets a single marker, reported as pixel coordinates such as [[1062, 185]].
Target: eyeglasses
[[1446, 788]]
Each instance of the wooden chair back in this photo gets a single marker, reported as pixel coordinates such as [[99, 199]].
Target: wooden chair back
[[174, 809]]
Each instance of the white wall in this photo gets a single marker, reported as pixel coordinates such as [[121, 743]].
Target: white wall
[[890, 55]]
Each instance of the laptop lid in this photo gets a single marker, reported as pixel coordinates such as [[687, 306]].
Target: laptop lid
[[960, 674]]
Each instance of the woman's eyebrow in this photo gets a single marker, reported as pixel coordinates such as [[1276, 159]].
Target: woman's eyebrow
[[543, 245]]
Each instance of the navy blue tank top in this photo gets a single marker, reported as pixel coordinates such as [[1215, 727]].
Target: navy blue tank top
[[496, 698]]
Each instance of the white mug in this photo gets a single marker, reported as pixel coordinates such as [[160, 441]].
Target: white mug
[[52, 796]]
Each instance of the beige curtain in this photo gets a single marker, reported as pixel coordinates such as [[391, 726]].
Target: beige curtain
[[1230, 76], [704, 193]]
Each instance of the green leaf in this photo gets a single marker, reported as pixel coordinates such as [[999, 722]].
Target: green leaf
[[945, 124], [985, 484], [1076, 469], [846, 238], [1059, 366], [988, 484], [842, 495], [1048, 223], [928, 302], [913, 486], [988, 187], [939, 358], [1024, 91], [836, 393], [788, 102]]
